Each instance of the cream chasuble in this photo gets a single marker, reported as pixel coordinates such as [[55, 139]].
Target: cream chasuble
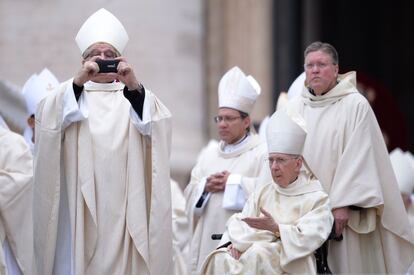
[[102, 189], [16, 197], [346, 151], [304, 217], [247, 161], [181, 229]]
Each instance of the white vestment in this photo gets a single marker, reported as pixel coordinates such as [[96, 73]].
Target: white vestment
[[245, 163], [16, 197], [345, 149], [102, 184], [303, 214], [181, 229]]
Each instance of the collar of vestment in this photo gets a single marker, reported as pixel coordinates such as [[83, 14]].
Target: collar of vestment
[[346, 85], [91, 86], [234, 150], [228, 148], [305, 183]]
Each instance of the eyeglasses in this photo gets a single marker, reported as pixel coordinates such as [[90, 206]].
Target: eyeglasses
[[318, 65], [226, 119], [109, 54], [279, 161]]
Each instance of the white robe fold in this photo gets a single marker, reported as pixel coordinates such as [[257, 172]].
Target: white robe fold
[[345, 149], [181, 229], [16, 197], [304, 217], [102, 189], [247, 160]]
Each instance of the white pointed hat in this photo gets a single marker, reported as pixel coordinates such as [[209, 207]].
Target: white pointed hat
[[297, 86], [404, 170], [37, 87], [282, 100], [286, 133], [238, 91], [102, 26]]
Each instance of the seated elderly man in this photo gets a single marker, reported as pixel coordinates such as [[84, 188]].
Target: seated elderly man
[[284, 221]]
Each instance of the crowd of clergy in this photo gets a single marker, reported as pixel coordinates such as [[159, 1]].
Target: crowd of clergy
[[86, 188]]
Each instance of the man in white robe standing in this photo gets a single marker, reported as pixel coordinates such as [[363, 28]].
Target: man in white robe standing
[[36, 88], [285, 220], [346, 151], [403, 164], [226, 172], [102, 202], [16, 197]]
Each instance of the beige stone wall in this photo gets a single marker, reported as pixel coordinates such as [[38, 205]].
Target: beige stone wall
[[239, 32]]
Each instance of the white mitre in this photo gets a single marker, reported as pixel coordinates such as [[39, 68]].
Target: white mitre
[[238, 91], [404, 170], [31, 91], [102, 26], [297, 86], [286, 133], [37, 87]]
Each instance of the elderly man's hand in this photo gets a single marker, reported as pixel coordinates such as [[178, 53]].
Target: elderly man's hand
[[126, 74], [341, 217], [265, 222], [216, 182], [234, 252], [89, 70]]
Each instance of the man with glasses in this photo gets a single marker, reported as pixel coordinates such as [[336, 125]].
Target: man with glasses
[[346, 151], [285, 220], [226, 171], [102, 202]]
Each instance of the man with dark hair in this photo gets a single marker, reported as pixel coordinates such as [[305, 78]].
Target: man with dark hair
[[226, 172]]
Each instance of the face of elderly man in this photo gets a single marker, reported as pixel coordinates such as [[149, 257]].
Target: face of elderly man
[[321, 72], [284, 168], [100, 51]]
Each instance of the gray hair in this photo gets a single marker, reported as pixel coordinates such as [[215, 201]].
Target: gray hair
[[324, 47]]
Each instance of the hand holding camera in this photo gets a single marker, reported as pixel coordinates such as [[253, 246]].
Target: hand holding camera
[[108, 65]]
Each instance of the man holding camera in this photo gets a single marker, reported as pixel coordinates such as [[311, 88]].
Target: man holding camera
[[102, 195]]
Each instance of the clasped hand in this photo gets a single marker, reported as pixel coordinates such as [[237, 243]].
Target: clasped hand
[[216, 182]]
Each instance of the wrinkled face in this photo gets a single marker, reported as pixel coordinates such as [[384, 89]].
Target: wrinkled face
[[231, 126], [285, 168], [321, 73], [101, 51]]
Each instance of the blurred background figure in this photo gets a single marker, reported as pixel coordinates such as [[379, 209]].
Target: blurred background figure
[[12, 107], [16, 188], [36, 88], [403, 165]]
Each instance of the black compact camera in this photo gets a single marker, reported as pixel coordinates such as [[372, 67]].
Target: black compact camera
[[107, 65]]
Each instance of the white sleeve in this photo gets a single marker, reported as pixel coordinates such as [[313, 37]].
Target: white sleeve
[[73, 110], [202, 196], [143, 125], [234, 197]]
